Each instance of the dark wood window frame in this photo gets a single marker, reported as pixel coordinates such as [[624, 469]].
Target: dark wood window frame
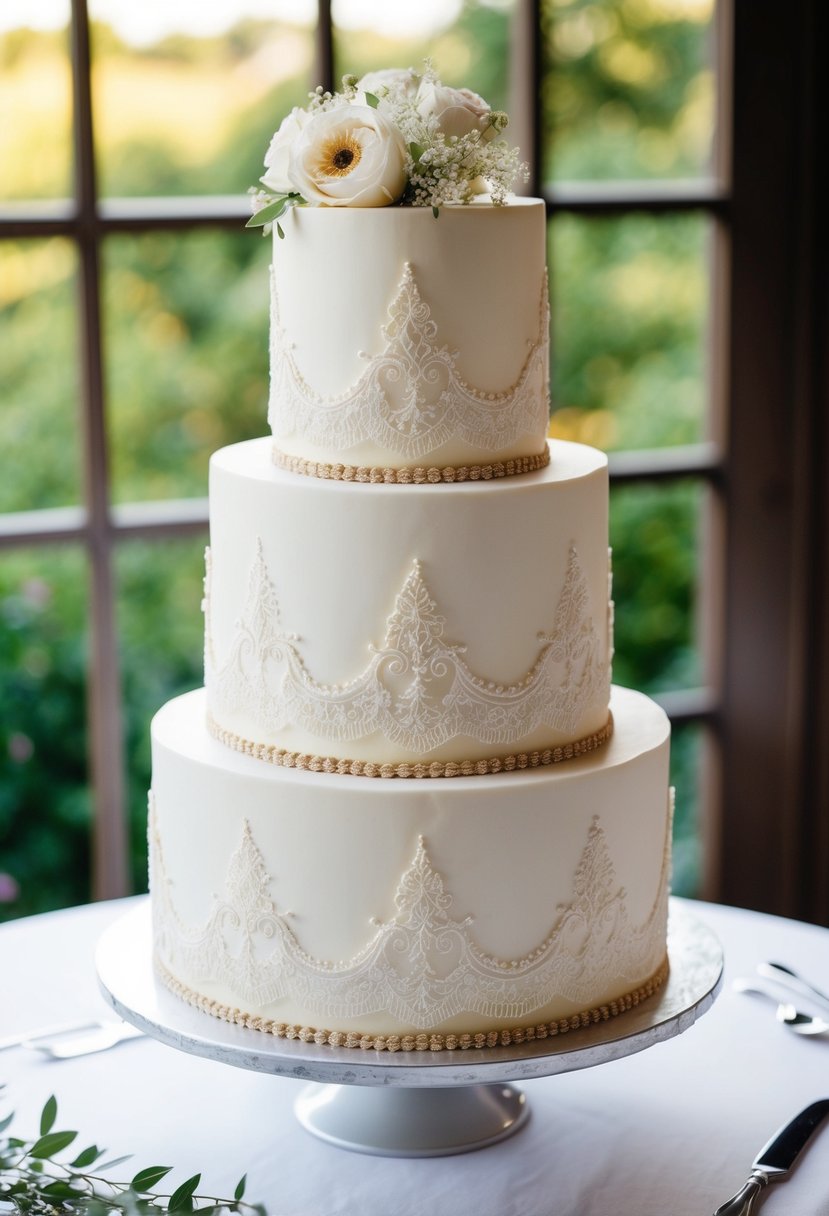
[[767, 700]]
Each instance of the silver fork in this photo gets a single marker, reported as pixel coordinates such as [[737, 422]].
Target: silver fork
[[98, 1036], [45, 1032], [795, 1019], [781, 974]]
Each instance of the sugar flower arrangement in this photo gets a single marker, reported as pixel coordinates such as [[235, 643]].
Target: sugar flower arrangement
[[394, 136]]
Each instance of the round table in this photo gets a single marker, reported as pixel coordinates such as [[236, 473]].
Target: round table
[[669, 1132]]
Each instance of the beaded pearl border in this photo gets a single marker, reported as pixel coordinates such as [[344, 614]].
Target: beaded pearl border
[[433, 475], [425, 1041], [435, 768]]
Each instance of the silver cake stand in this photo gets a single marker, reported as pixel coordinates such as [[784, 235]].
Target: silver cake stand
[[408, 1104]]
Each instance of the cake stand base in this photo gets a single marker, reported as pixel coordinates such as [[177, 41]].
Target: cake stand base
[[418, 1103], [412, 1122]]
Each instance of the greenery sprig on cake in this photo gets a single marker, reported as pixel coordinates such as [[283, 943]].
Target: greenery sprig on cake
[[393, 137]]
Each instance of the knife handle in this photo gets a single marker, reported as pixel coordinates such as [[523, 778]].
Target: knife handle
[[743, 1202]]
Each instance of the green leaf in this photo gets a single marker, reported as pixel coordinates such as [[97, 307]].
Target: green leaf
[[372, 101], [109, 1165], [86, 1157], [63, 1190], [416, 151], [47, 1146], [146, 1179], [48, 1115], [280, 232], [240, 1187], [268, 214], [436, 212], [181, 1199], [4, 1123]]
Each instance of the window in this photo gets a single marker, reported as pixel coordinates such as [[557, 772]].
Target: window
[[685, 342]]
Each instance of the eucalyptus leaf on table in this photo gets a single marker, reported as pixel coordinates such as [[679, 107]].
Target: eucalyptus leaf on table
[[34, 1181]]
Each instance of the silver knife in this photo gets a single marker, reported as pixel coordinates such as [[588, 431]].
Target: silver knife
[[774, 1162]]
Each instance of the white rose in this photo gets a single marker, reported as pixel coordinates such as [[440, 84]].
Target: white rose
[[279, 152], [403, 81], [350, 156], [458, 111]]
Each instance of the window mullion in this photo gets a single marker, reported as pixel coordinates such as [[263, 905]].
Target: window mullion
[[104, 696], [324, 47]]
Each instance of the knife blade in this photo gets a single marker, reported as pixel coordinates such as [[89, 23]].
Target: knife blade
[[775, 1159]]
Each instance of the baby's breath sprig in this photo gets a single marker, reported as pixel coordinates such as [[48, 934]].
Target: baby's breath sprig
[[34, 1182]]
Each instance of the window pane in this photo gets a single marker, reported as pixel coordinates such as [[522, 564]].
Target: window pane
[[186, 318], [628, 90], [36, 105], [467, 43], [186, 97], [44, 796], [656, 559], [39, 418], [688, 748], [161, 632], [630, 317]]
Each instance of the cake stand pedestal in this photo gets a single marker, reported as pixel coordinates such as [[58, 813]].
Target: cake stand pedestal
[[408, 1104]]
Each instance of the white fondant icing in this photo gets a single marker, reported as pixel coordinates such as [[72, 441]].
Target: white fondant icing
[[417, 690], [444, 364], [410, 399], [423, 967], [328, 911], [518, 573]]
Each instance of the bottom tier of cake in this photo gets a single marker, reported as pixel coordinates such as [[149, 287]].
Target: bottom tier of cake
[[410, 913]]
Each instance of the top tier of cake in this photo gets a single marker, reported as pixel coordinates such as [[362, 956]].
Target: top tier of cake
[[400, 341]]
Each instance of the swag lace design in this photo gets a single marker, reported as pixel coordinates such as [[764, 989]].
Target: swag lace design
[[411, 398], [423, 966], [417, 689]]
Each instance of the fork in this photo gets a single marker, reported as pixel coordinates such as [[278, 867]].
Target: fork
[[784, 975], [98, 1036], [795, 1019], [46, 1032]]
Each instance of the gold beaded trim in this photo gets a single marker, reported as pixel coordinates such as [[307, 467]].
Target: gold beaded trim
[[377, 475], [435, 768], [424, 1041]]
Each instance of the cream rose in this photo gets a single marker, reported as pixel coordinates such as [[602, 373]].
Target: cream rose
[[458, 111], [350, 156], [278, 155]]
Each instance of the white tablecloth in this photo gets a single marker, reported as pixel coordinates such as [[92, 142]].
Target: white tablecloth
[[669, 1132]]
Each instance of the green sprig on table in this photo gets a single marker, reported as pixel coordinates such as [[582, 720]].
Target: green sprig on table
[[32, 1181]]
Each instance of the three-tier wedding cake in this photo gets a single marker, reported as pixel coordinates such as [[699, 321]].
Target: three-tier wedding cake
[[408, 811]]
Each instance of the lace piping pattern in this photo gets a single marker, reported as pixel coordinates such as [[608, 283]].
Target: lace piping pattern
[[423, 966], [423, 1041], [411, 398], [417, 689]]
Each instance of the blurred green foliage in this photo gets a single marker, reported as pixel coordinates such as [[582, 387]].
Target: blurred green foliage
[[185, 341], [44, 797], [629, 91], [185, 329]]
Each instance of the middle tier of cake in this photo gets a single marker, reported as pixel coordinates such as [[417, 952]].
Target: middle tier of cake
[[411, 630]]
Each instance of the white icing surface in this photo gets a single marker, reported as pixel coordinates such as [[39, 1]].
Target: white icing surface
[[424, 318], [309, 868], [397, 623]]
